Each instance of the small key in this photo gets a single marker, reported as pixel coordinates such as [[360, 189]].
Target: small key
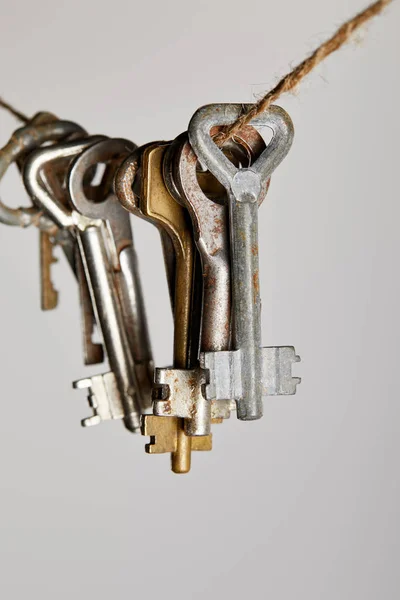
[[244, 367]]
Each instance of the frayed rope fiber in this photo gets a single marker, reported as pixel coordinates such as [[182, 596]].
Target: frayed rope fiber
[[292, 79]]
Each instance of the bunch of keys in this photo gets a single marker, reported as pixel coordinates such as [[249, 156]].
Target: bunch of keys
[[204, 200]]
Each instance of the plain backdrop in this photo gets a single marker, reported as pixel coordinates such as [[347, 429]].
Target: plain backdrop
[[304, 503]]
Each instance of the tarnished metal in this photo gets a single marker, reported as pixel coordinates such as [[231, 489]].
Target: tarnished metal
[[122, 253], [104, 398], [25, 140], [225, 380], [47, 190], [116, 291], [102, 232], [245, 187], [49, 295], [155, 204]]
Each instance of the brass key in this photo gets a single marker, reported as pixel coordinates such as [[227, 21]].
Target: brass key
[[49, 295], [160, 208]]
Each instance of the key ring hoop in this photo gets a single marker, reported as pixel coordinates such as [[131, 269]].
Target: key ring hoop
[[23, 140]]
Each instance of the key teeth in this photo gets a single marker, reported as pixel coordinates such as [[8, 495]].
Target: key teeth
[[277, 364], [103, 398], [225, 373], [82, 384], [162, 376], [91, 421]]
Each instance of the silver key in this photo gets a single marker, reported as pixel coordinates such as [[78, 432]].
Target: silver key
[[99, 253], [244, 369]]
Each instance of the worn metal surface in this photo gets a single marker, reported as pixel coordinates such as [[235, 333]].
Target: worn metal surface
[[22, 141], [225, 373], [155, 204], [245, 187], [211, 229], [102, 231], [114, 285], [121, 252], [48, 193], [104, 398], [49, 294]]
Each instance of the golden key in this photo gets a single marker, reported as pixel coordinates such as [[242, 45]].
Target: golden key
[[160, 208]]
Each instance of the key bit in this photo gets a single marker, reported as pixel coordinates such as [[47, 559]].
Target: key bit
[[49, 295], [103, 397], [94, 236], [167, 435], [225, 379], [245, 366], [182, 393]]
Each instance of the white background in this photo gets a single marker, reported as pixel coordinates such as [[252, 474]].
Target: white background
[[304, 503]]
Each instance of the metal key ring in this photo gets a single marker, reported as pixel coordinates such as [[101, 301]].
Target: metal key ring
[[213, 158], [22, 141]]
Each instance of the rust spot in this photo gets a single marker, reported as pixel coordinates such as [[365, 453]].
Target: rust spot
[[218, 226], [254, 249], [167, 407], [256, 287]]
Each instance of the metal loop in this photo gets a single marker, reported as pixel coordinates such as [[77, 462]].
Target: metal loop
[[46, 203], [213, 158], [103, 151], [22, 141]]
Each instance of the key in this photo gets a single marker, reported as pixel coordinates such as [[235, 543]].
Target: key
[[123, 258], [245, 368], [155, 204], [44, 175], [99, 254], [210, 223]]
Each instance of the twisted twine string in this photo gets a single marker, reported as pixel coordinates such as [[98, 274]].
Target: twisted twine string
[[292, 79], [19, 115]]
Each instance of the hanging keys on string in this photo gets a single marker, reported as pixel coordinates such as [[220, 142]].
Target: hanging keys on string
[[87, 192]]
